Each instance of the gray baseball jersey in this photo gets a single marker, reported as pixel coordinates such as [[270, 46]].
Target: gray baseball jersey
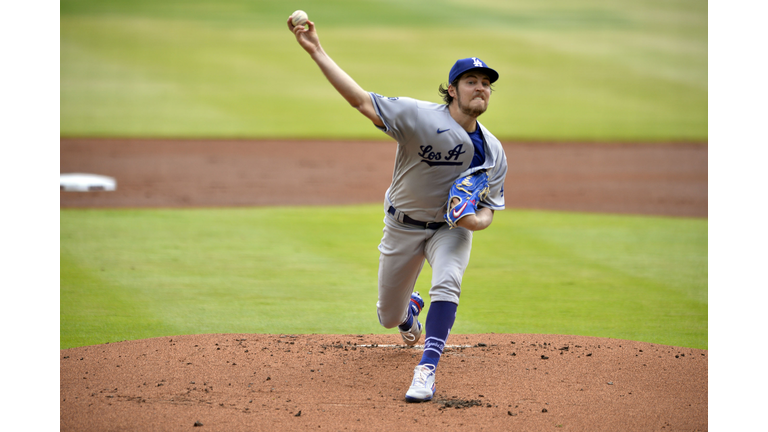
[[433, 151]]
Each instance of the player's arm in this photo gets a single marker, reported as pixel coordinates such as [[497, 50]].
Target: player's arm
[[481, 220], [343, 83]]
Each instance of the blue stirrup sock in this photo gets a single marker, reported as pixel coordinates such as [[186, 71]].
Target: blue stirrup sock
[[440, 319]]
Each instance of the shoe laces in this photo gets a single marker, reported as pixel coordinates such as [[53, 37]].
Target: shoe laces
[[422, 373]]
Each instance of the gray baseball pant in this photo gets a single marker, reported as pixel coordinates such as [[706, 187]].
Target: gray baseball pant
[[404, 249]]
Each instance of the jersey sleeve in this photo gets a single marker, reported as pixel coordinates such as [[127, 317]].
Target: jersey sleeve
[[496, 177], [399, 115]]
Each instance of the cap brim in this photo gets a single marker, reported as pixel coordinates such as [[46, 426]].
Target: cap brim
[[492, 74]]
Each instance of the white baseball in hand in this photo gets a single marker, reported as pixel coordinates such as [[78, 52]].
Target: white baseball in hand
[[299, 18]]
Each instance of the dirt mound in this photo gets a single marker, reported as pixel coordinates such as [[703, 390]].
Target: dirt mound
[[247, 382]]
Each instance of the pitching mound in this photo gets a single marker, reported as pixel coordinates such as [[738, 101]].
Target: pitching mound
[[249, 382]]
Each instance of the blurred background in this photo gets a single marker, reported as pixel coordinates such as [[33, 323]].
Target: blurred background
[[587, 70]]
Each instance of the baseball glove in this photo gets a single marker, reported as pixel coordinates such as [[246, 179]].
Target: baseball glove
[[470, 190]]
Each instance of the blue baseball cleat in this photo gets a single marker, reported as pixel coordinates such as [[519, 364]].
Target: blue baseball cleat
[[412, 336], [417, 304]]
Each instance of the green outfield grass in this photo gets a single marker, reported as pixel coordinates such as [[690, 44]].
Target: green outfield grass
[[134, 274], [570, 70]]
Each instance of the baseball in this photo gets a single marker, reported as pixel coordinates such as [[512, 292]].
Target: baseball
[[299, 18]]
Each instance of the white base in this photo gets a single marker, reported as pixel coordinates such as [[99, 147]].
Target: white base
[[77, 182]]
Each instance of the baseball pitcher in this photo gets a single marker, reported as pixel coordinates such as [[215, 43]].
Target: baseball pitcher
[[448, 180]]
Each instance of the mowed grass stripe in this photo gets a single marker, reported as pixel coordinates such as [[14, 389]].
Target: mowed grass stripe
[[591, 70], [132, 274], [639, 278]]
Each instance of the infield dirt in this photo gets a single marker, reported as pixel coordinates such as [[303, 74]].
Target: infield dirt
[[490, 382], [653, 179]]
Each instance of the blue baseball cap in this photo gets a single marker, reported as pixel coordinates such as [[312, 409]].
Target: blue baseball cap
[[468, 64]]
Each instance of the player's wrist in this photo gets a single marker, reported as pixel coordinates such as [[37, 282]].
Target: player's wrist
[[477, 222], [316, 52]]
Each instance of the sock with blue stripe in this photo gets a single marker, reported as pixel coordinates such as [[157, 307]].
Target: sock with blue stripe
[[413, 311], [440, 319]]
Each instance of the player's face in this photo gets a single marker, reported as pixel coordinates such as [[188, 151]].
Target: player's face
[[473, 93]]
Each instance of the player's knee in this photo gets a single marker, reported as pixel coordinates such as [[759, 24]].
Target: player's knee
[[388, 320]]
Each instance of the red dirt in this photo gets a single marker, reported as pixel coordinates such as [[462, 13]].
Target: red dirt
[[329, 382], [653, 179], [357, 382]]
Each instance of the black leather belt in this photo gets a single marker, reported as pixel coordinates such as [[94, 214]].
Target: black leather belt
[[409, 221]]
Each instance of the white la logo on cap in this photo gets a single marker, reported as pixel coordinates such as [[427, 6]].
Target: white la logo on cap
[[477, 62]]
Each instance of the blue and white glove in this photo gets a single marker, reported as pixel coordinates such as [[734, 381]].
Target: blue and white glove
[[470, 190]]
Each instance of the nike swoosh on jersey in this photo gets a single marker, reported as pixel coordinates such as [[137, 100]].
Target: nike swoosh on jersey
[[460, 210], [441, 131]]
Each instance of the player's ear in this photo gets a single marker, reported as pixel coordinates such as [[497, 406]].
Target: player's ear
[[451, 91]]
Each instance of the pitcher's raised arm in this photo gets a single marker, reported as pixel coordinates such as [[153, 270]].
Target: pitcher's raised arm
[[341, 81]]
